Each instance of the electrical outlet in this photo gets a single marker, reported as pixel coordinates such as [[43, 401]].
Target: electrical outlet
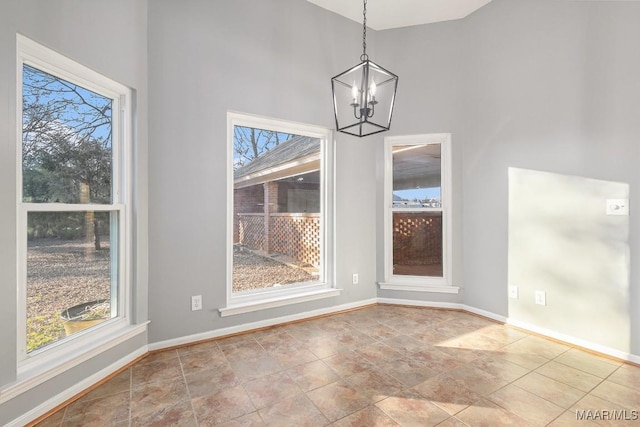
[[513, 292], [541, 298], [355, 279], [196, 302]]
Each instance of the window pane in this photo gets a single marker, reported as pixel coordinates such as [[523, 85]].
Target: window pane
[[417, 244], [66, 141], [71, 273], [416, 176], [276, 209]]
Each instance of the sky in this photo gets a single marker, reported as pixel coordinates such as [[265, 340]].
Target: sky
[[419, 193], [54, 91]]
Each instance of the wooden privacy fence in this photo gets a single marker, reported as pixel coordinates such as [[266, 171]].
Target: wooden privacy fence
[[417, 238], [296, 235]]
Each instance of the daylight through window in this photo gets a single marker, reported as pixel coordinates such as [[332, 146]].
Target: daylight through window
[[71, 208], [417, 220], [277, 204]]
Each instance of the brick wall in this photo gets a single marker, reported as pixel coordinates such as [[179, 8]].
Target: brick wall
[[246, 200]]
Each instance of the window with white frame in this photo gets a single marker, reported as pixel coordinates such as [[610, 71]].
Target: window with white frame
[[279, 199], [417, 217], [73, 206]]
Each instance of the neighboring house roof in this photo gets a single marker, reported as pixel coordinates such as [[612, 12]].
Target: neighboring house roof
[[300, 154]]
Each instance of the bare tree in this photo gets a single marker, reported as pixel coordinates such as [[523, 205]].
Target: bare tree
[[66, 143], [250, 143]]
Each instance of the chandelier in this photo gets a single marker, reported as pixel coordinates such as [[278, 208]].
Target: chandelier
[[363, 96]]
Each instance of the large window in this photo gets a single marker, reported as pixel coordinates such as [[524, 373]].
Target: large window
[[279, 199], [72, 207], [418, 213]]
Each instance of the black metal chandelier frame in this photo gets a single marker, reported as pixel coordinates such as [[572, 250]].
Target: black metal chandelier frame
[[363, 93]]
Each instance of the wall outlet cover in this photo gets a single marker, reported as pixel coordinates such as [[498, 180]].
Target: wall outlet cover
[[541, 298], [196, 302]]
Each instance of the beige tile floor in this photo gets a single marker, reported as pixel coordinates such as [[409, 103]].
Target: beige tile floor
[[377, 366]]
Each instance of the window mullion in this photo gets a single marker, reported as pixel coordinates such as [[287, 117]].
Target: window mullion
[[68, 207]]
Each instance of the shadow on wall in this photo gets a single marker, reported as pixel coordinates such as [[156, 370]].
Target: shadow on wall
[[562, 242]]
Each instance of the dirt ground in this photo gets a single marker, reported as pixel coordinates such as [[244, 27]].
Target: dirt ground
[[64, 273], [253, 271], [61, 274]]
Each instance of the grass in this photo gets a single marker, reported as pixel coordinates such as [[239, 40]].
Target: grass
[[43, 330]]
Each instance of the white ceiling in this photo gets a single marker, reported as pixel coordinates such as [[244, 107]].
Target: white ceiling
[[385, 14]]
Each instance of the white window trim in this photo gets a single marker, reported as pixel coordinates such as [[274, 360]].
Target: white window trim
[[70, 351], [269, 298], [419, 283]]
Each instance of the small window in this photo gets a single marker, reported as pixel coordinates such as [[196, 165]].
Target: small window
[[72, 218], [278, 211], [418, 212]]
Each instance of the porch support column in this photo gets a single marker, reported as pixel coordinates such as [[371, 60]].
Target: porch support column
[[270, 206]]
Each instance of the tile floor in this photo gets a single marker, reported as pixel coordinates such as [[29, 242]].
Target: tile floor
[[377, 366]]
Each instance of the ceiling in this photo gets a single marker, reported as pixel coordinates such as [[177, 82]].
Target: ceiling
[[386, 14], [416, 166]]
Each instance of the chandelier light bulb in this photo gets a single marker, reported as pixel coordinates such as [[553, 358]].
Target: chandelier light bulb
[[354, 92], [373, 88]]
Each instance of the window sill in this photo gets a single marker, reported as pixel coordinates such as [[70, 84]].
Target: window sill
[[48, 365], [442, 289], [263, 304]]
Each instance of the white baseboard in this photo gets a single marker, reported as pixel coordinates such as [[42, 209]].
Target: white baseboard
[[60, 398], [522, 325], [256, 325], [575, 341], [410, 302], [485, 313], [189, 339]]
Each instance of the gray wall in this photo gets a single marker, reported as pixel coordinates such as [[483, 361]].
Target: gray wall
[[270, 58], [561, 242], [83, 31], [429, 100], [543, 85], [549, 86], [533, 84]]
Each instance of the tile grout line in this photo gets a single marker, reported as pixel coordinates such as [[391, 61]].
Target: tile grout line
[[602, 380], [486, 396], [186, 385], [284, 371], [378, 339], [130, 395]]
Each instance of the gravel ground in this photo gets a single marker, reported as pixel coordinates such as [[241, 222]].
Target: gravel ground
[[252, 271], [61, 274], [64, 273]]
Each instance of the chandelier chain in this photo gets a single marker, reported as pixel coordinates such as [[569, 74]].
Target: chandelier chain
[[364, 55]]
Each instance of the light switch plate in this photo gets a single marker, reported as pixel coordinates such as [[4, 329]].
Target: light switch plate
[[617, 206]]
